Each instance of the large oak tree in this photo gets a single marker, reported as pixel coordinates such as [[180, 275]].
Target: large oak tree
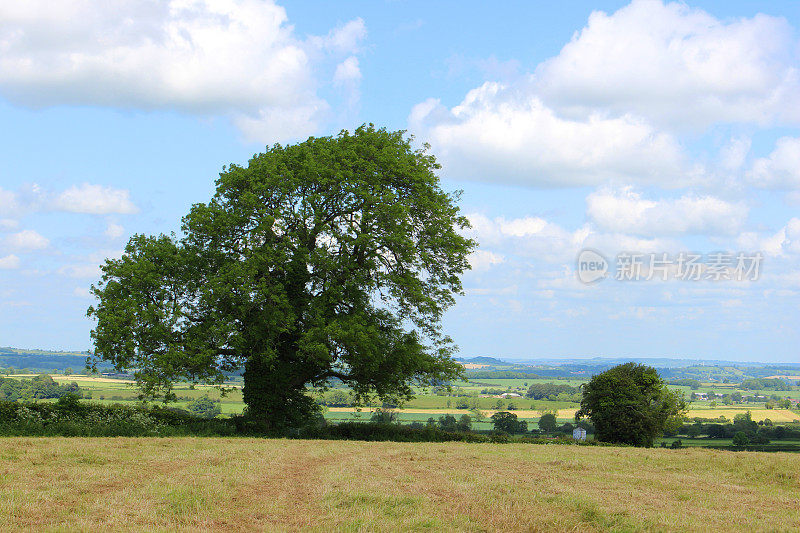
[[332, 259]]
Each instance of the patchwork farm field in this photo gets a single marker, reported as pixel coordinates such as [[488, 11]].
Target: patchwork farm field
[[776, 415], [111, 390], [256, 484]]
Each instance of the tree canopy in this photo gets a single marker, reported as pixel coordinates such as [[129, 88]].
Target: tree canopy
[[548, 423], [630, 404], [508, 423], [334, 258]]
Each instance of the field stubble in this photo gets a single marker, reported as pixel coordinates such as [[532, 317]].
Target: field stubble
[[257, 484]]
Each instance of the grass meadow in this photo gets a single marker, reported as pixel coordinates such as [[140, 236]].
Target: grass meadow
[[241, 484]]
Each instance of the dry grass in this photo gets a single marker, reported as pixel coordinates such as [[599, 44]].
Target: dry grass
[[251, 484]]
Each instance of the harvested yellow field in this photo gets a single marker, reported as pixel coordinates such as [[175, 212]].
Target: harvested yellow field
[[472, 366], [75, 484], [776, 415], [521, 413], [78, 378]]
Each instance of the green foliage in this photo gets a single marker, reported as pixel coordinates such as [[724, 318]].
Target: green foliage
[[450, 423], [384, 416], [205, 407], [68, 417], [549, 391], [462, 403], [336, 398], [765, 384], [37, 388], [687, 382], [331, 259], [630, 404], [507, 423], [371, 431], [547, 423], [740, 439]]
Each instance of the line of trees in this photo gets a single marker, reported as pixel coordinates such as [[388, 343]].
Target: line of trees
[[37, 388], [776, 384], [553, 391]]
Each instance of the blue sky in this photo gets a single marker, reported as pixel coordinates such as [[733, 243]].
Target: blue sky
[[642, 127]]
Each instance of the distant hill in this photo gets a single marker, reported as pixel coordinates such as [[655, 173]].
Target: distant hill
[[483, 361], [41, 360]]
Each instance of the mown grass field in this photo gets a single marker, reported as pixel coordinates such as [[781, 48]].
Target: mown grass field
[[65, 484]]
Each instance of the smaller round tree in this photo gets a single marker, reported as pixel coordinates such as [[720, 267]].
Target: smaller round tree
[[508, 423], [740, 439], [205, 407], [547, 423], [630, 404]]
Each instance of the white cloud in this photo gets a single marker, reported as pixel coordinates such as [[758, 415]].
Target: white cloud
[[9, 262], [82, 292], [8, 224], [786, 241], [95, 200], [27, 240], [347, 72], [114, 231], [677, 66], [345, 39], [504, 133], [9, 203], [781, 169], [733, 155], [484, 259], [609, 107], [625, 211], [537, 238], [90, 271], [237, 58], [348, 78], [489, 231]]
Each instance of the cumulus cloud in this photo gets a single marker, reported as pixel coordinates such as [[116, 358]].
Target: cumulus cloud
[[484, 259], [8, 224], [86, 198], [238, 58], [626, 211], [348, 78], [784, 242], [781, 169], [27, 240], [82, 292], [613, 105], [677, 66], [542, 240], [95, 200], [81, 271], [114, 231], [9, 205], [347, 72], [9, 262], [490, 231], [501, 133]]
